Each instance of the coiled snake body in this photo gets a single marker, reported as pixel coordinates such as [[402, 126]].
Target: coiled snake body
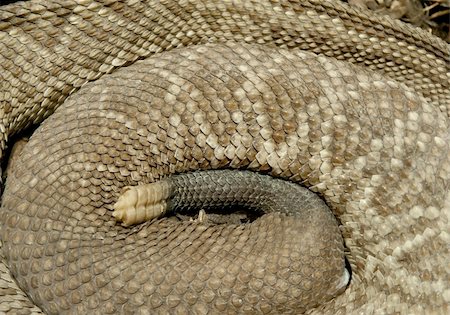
[[259, 88]]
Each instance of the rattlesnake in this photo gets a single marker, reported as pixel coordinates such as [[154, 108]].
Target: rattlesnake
[[372, 142]]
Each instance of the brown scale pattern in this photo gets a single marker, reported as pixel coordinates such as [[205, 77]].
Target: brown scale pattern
[[74, 257], [382, 167], [51, 48], [198, 109]]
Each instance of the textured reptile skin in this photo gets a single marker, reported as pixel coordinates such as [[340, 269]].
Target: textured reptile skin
[[377, 151]]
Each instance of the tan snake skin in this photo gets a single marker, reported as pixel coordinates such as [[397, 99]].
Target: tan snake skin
[[380, 159]]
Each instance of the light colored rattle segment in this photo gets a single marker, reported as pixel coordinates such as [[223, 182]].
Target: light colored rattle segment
[[142, 203]]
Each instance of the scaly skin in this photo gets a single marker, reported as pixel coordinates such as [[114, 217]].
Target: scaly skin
[[392, 196]]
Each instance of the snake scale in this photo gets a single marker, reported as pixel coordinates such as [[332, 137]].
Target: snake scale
[[353, 106]]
